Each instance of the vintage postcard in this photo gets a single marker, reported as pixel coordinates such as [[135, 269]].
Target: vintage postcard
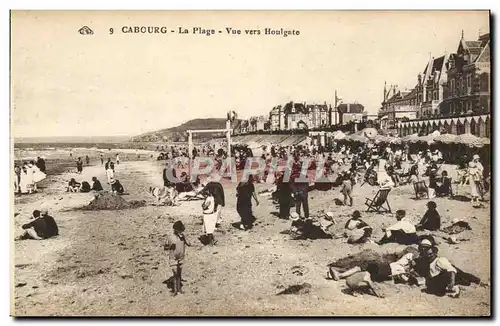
[[250, 163]]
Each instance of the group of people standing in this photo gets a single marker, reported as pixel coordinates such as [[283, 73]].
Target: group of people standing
[[28, 174]]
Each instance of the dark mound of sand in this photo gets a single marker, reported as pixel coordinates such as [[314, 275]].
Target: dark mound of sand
[[367, 256], [110, 201]]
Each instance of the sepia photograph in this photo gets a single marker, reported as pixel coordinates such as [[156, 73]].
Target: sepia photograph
[[250, 163]]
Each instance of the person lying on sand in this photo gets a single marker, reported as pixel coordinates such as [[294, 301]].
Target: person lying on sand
[[402, 232], [361, 282], [306, 228], [381, 269], [42, 227]]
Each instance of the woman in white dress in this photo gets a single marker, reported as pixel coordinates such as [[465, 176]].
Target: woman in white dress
[[23, 183], [210, 216], [475, 174], [110, 174], [30, 182], [37, 175]]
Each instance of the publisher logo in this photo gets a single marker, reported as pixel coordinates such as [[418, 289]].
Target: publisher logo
[[85, 30]]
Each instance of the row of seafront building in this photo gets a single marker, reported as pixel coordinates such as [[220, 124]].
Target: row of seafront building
[[452, 94], [304, 116]]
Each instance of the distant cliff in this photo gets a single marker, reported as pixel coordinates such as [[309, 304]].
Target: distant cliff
[[178, 133]]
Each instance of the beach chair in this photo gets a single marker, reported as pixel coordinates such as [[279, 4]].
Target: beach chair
[[420, 189], [377, 203]]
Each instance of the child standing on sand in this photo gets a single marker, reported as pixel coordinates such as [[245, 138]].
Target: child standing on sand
[[176, 246]]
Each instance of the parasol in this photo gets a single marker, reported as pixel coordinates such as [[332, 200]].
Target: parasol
[[339, 135], [469, 139], [396, 141], [485, 140], [445, 138], [409, 138], [429, 139]]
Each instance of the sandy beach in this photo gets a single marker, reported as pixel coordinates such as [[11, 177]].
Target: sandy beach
[[113, 263]]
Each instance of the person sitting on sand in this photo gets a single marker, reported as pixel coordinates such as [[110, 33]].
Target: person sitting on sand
[[444, 185], [42, 227], [443, 277], [96, 185], [73, 186], [116, 187], [431, 220], [306, 228], [402, 232], [85, 187], [356, 230]]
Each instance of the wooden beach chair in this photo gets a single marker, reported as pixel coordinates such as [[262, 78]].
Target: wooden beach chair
[[420, 189], [377, 203]]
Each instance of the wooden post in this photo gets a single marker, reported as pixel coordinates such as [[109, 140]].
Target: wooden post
[[190, 144], [228, 136]]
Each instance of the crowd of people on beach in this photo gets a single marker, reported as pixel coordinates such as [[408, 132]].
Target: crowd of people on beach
[[387, 166], [342, 166]]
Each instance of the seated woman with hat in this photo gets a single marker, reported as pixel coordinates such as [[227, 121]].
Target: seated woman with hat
[[116, 187], [442, 277], [356, 230], [444, 185]]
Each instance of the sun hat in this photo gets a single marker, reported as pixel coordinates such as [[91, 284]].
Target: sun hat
[[113, 181], [294, 216], [426, 243], [475, 156]]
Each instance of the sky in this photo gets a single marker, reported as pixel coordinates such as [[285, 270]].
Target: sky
[[67, 84]]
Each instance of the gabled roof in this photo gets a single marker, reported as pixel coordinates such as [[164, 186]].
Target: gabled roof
[[299, 108], [399, 96], [437, 64], [350, 108], [475, 48], [473, 44], [484, 56]]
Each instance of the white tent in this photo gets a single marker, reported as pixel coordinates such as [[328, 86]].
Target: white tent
[[338, 135]]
